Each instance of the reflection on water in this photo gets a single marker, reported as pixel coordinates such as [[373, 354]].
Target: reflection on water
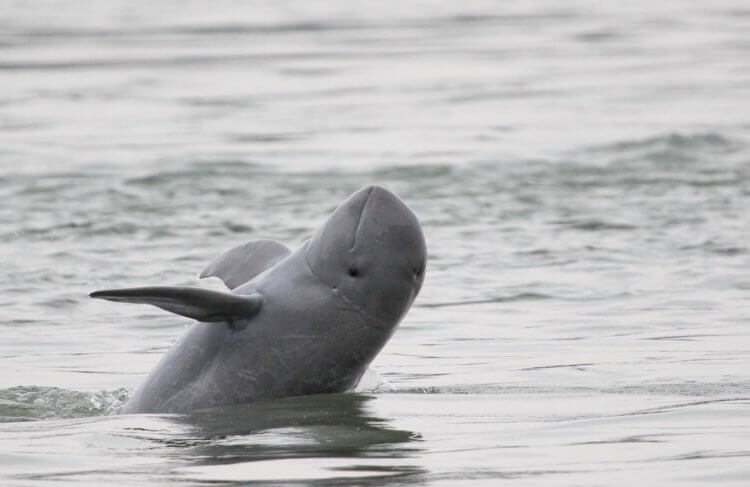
[[316, 437], [328, 424], [309, 438]]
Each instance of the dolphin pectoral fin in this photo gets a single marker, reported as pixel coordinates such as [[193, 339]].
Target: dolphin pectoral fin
[[238, 265], [195, 303]]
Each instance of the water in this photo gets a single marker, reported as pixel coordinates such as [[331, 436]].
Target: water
[[582, 172]]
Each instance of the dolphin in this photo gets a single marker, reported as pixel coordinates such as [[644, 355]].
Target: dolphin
[[293, 323]]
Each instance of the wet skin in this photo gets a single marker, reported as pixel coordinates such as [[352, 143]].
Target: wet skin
[[295, 323]]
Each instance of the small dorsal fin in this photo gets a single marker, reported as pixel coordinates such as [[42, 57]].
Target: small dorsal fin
[[238, 265], [195, 303]]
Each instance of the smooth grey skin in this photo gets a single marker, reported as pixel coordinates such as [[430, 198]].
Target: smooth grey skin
[[306, 322]]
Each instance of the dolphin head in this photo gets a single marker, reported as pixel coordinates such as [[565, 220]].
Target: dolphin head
[[372, 254]]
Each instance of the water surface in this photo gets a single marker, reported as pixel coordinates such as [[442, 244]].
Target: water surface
[[582, 173]]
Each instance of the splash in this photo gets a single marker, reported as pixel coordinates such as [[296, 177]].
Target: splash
[[27, 403]]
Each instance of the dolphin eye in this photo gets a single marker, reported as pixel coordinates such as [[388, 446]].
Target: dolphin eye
[[353, 271]]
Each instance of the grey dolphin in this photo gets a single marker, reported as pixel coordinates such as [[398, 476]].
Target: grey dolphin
[[295, 323]]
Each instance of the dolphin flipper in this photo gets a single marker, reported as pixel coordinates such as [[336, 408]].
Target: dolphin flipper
[[195, 303], [238, 265]]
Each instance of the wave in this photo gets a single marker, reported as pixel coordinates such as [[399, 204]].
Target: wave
[[669, 150], [27, 403], [694, 389]]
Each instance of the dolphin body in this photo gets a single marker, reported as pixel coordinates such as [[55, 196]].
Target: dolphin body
[[294, 323]]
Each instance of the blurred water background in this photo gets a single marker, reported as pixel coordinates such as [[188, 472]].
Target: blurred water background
[[581, 169]]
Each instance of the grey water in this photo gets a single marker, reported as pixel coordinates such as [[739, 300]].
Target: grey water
[[581, 170]]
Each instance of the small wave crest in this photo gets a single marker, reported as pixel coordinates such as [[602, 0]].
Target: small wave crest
[[669, 149], [694, 389], [27, 403], [372, 382]]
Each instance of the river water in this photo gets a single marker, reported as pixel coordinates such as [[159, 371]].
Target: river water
[[581, 170]]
